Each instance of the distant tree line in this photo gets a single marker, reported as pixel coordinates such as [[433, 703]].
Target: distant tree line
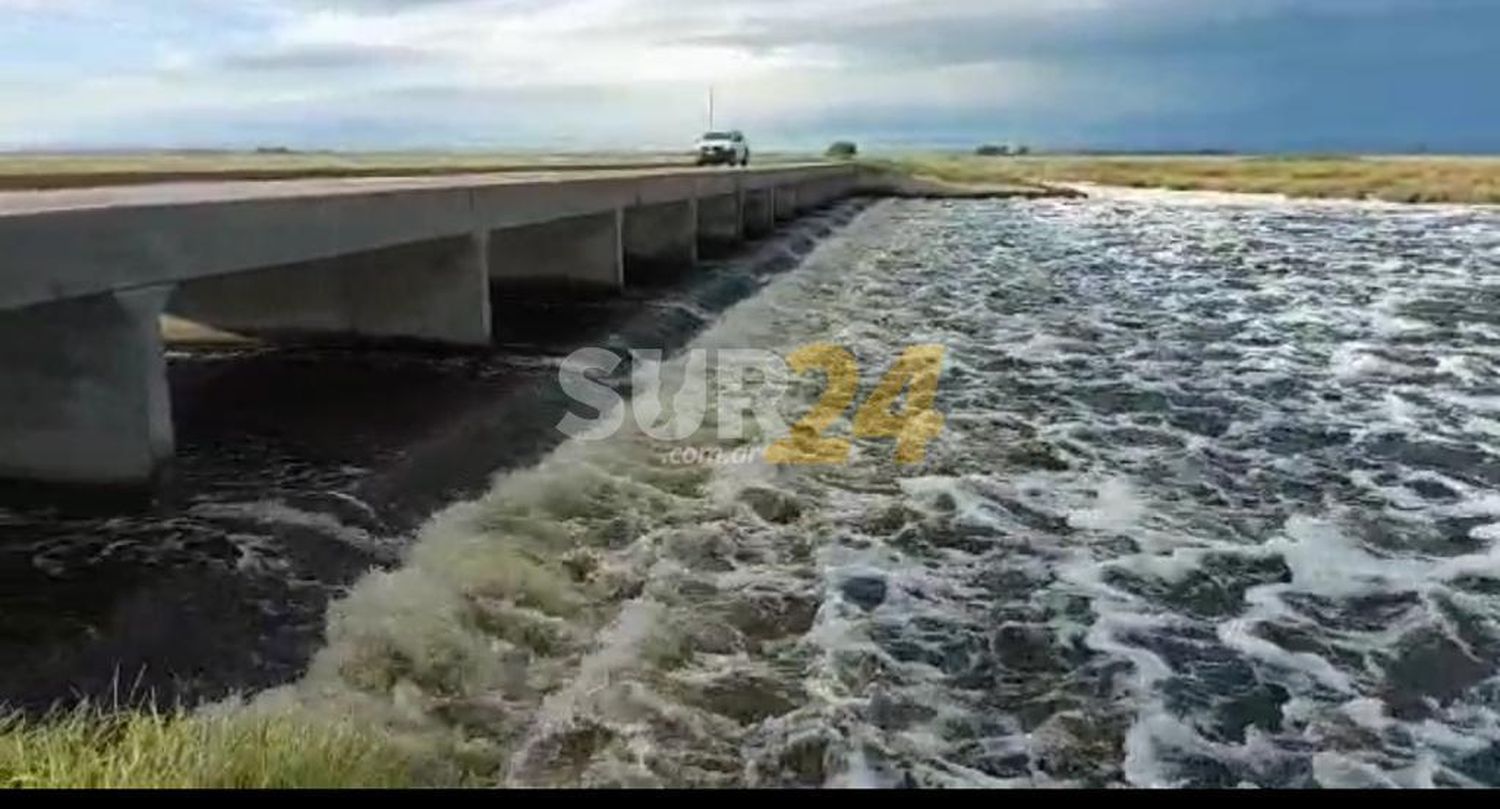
[[843, 150], [998, 150]]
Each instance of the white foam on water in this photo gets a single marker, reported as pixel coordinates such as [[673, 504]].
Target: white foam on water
[[1118, 508], [277, 512], [1190, 522]]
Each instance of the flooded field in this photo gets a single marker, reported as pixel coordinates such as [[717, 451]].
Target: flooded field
[[1215, 504]]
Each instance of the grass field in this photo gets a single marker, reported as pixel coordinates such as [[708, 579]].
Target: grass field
[[1395, 179], [235, 749]]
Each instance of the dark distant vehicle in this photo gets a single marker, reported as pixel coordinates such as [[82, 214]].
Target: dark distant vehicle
[[723, 149]]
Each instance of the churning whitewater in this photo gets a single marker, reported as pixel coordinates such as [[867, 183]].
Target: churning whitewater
[[1215, 504]]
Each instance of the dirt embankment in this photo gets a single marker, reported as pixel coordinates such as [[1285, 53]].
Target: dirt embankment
[[878, 182]]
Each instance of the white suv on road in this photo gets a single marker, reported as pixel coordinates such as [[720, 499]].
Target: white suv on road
[[723, 148]]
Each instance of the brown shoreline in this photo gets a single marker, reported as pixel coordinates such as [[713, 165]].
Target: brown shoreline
[[1400, 179], [917, 186]]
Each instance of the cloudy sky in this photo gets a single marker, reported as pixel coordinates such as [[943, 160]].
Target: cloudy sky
[[1147, 74]]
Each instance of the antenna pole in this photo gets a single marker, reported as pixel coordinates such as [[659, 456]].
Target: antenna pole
[[710, 108]]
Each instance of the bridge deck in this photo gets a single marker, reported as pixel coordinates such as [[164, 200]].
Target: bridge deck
[[71, 243], [196, 192]]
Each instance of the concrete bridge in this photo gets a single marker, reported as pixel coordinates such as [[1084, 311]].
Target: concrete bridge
[[86, 274]]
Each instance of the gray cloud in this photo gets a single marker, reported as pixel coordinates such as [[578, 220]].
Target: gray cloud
[[1201, 72], [391, 6], [375, 5], [327, 57]]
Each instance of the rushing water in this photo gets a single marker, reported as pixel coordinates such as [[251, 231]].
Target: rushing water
[[298, 468], [1215, 504]]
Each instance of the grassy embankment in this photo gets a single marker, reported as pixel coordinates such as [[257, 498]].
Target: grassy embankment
[[214, 750], [1394, 179]]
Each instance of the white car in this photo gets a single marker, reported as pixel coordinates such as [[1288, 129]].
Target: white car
[[723, 148]]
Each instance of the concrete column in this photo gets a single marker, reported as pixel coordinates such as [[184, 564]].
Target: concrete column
[[807, 196], [760, 212], [577, 252], [824, 191], [829, 189], [843, 186], [786, 203], [660, 241], [83, 390], [433, 291], [721, 225]]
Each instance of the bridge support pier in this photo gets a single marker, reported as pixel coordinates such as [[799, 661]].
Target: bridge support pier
[[785, 202], [83, 390], [660, 241], [431, 291], [842, 186], [811, 195], [579, 253], [721, 224], [760, 213]]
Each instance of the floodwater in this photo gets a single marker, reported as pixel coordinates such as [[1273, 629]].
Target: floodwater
[[300, 468], [1215, 504]]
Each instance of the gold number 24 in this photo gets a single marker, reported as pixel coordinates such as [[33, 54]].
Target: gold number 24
[[918, 371]]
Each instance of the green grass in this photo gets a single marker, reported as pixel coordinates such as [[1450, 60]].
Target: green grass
[[234, 749], [1394, 179]]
